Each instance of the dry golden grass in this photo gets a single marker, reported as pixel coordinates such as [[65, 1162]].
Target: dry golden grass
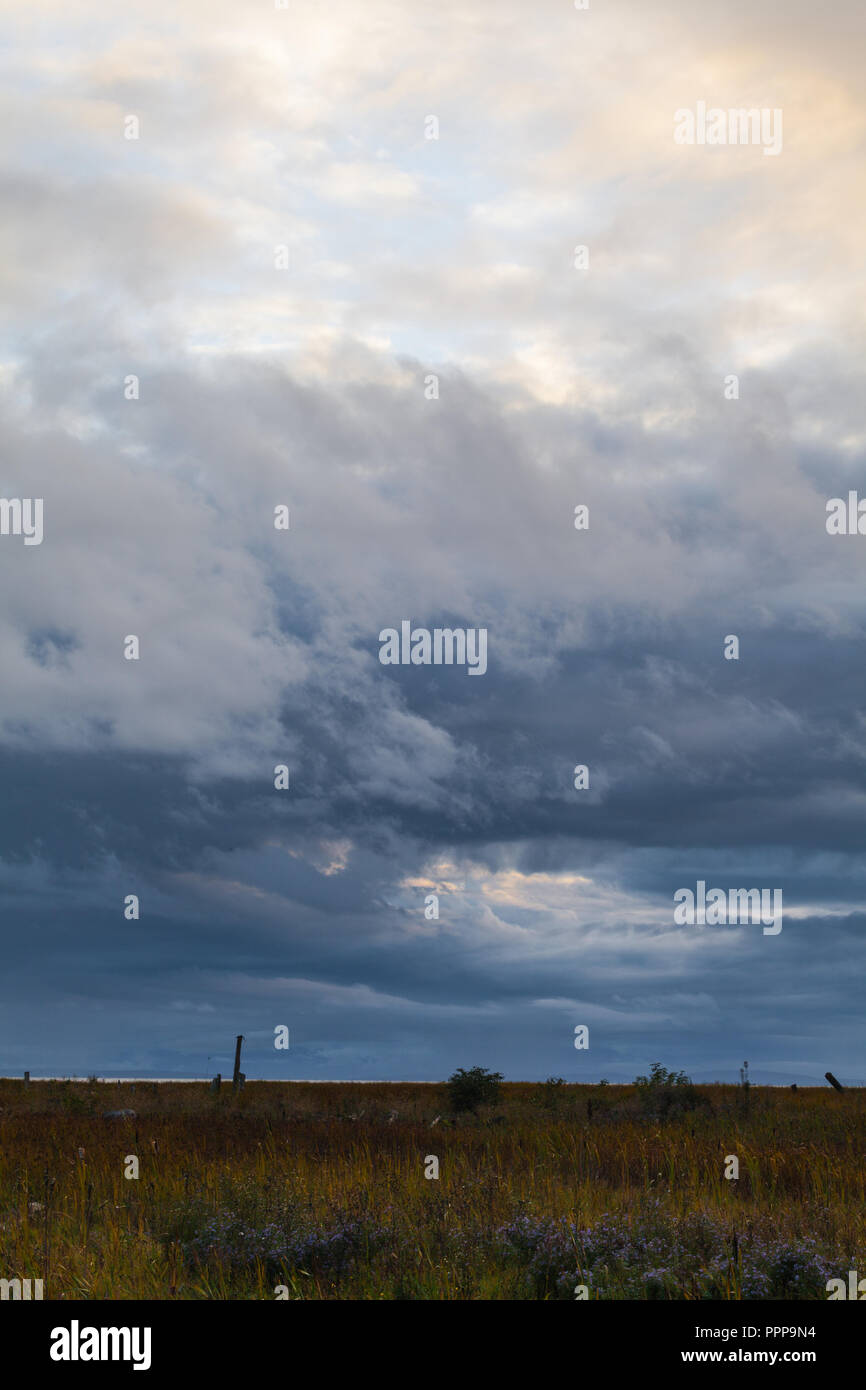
[[291, 1159]]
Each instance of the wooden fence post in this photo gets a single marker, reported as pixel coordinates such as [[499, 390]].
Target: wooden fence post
[[236, 1079]]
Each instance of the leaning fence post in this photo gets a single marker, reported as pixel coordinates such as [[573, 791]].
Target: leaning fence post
[[833, 1082]]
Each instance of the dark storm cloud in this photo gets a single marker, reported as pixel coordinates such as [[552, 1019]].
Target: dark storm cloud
[[260, 647], [257, 904]]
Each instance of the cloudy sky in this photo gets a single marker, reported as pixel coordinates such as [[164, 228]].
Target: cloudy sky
[[309, 385]]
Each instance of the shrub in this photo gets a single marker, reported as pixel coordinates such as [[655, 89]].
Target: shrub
[[654, 1254], [469, 1089], [660, 1076], [549, 1092], [664, 1093]]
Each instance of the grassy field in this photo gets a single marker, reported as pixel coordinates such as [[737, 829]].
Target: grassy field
[[322, 1189]]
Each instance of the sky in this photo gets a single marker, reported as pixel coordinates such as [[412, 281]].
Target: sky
[[324, 258]]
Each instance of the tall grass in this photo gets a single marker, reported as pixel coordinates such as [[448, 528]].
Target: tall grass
[[321, 1189]]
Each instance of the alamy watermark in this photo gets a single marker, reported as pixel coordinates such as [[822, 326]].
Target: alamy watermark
[[77, 1343], [22, 516], [20, 1289], [739, 906], [735, 126], [846, 518], [856, 1288], [444, 646]]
